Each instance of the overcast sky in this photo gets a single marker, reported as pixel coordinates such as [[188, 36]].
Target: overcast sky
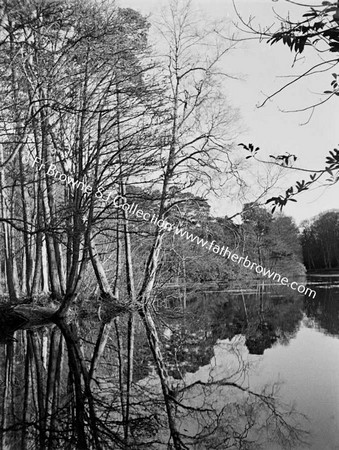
[[260, 69]]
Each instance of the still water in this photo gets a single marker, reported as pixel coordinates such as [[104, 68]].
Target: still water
[[308, 367], [247, 369], [281, 341]]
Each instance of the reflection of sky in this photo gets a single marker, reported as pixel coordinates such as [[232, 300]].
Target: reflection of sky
[[260, 68], [308, 371], [308, 368]]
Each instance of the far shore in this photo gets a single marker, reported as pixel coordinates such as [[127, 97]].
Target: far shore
[[323, 273]]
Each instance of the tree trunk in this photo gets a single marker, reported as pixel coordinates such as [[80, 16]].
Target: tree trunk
[[11, 273], [99, 271], [154, 343]]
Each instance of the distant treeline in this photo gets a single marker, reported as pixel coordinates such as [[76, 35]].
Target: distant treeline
[[320, 241], [272, 241]]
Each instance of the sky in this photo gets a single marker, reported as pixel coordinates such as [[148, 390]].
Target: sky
[[261, 69]]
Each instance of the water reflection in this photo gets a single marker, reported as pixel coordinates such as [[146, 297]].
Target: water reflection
[[78, 386], [324, 309]]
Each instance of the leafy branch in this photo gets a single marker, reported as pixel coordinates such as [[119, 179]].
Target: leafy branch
[[286, 160]]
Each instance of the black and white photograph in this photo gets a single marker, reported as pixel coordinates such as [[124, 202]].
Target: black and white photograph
[[169, 224]]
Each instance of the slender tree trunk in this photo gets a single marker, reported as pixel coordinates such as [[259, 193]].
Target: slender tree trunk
[[28, 260], [53, 440], [48, 200], [6, 394], [25, 416], [40, 385], [105, 288], [51, 379], [154, 343], [130, 283], [12, 282]]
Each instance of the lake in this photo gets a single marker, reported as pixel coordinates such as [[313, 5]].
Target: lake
[[252, 368], [296, 347]]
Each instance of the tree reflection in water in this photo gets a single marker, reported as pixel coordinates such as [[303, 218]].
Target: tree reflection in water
[[65, 386]]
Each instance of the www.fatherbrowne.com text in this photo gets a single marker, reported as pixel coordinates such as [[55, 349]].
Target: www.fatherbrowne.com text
[[133, 209]]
